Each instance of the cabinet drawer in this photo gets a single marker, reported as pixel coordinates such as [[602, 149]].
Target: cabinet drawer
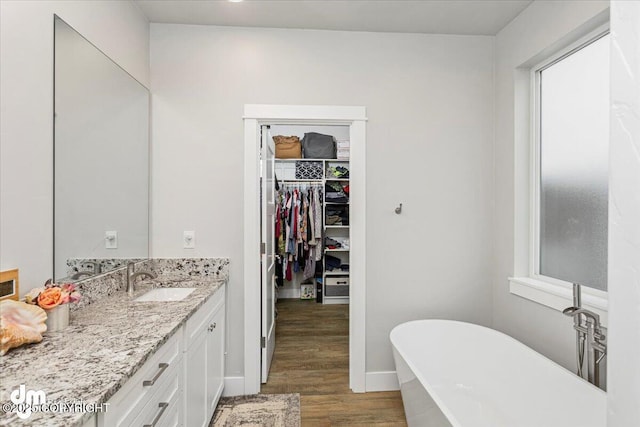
[[126, 404], [164, 405], [173, 416], [199, 320]]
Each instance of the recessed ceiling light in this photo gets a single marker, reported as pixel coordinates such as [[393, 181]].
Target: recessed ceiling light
[[235, 1]]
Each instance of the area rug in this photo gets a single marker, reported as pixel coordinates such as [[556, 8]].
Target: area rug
[[258, 410]]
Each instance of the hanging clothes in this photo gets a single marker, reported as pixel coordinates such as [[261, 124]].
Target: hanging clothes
[[298, 229], [279, 240]]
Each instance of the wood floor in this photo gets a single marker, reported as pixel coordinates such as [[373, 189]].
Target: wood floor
[[312, 358]]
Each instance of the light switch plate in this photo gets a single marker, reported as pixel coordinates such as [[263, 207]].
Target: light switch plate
[[111, 240], [189, 239]]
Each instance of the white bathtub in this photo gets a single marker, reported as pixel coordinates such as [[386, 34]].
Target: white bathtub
[[462, 375]]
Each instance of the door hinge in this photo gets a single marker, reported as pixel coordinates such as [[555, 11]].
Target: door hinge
[[263, 342], [263, 248]]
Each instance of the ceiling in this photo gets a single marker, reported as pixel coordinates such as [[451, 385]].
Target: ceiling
[[470, 17]]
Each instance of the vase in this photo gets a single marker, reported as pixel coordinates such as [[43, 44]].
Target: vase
[[57, 318]]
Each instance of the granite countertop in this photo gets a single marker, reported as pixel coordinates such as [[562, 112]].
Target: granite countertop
[[104, 345]]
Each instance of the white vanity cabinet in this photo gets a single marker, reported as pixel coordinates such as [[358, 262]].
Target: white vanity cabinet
[[181, 383], [204, 361], [150, 396]]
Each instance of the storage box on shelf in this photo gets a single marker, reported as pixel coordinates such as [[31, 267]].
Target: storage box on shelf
[[336, 273], [337, 286], [343, 148]]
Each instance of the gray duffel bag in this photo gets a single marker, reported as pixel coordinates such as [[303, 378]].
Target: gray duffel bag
[[318, 146]]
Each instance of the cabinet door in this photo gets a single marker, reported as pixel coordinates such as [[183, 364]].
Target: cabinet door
[[215, 360], [196, 408]]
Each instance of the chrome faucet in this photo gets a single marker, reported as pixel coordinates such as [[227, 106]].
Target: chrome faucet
[[132, 275], [588, 332]]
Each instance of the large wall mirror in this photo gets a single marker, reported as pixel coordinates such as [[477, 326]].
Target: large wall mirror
[[101, 166]]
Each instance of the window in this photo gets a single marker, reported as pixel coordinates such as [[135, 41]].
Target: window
[[572, 130], [562, 214]]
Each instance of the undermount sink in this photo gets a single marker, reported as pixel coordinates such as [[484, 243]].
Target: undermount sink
[[165, 294]]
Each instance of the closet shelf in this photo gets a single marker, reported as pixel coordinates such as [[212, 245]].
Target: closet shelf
[[336, 250], [329, 297], [312, 160], [336, 273], [336, 226], [313, 181]]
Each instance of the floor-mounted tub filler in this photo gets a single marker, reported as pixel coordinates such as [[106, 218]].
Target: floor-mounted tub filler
[[464, 375]]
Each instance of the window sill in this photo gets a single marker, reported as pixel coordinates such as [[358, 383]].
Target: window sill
[[558, 296]]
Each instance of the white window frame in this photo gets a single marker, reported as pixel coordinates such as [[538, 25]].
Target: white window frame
[[529, 283]]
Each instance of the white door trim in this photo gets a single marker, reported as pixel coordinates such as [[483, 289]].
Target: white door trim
[[254, 117]]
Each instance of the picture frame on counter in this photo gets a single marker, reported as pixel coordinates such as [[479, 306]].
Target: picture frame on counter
[[9, 285]]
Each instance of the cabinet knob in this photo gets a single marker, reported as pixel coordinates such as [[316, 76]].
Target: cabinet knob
[[212, 326]]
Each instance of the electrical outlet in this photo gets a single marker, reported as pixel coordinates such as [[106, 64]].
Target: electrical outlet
[[111, 240], [189, 239]]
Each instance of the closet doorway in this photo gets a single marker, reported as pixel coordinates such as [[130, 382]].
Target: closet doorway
[[260, 209]]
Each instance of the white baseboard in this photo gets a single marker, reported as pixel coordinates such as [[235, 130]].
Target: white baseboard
[[382, 381], [233, 386], [287, 293], [375, 381]]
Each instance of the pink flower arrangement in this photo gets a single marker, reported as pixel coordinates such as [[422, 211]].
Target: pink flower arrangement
[[53, 294]]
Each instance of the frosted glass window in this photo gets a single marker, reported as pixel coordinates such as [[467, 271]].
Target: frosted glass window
[[574, 146]]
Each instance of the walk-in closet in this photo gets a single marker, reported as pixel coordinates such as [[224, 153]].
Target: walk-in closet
[[312, 212], [306, 230], [305, 179]]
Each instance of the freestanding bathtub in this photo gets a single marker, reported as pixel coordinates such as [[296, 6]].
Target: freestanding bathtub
[[457, 374]]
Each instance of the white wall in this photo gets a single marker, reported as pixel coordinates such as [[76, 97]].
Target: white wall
[[26, 114], [429, 146], [624, 229], [540, 28]]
